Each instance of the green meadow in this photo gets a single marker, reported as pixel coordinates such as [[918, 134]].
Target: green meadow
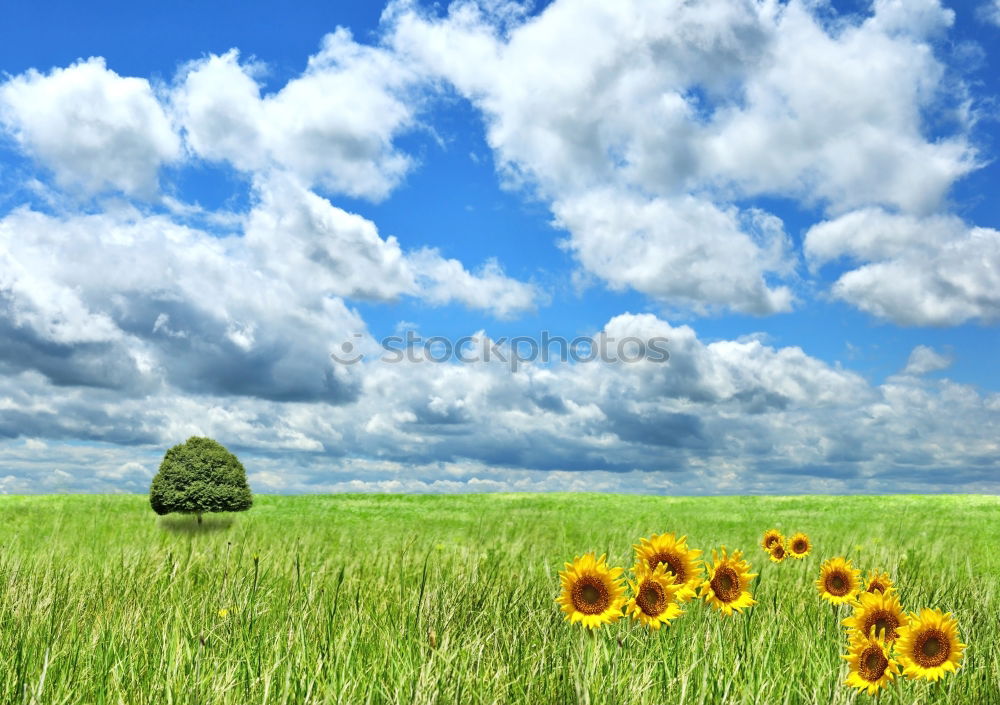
[[450, 599]]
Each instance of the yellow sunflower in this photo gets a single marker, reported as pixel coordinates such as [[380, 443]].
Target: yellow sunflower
[[777, 552], [726, 588], [799, 546], [872, 668], [879, 611], [654, 596], [928, 646], [838, 581], [878, 582], [592, 593], [770, 536], [674, 553]]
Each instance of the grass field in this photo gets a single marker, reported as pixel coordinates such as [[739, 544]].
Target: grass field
[[450, 599]]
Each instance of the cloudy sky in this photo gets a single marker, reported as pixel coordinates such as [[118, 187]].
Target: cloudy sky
[[200, 202]]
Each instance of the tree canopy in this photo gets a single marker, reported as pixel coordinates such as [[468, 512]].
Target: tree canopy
[[199, 476]]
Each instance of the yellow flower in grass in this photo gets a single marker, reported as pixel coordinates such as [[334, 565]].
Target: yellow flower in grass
[[726, 588], [878, 582], [223, 613], [872, 667], [654, 596], [838, 581], [679, 559], [880, 612], [928, 646], [799, 546], [592, 593], [770, 537], [778, 552]]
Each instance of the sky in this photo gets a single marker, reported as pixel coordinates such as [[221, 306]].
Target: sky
[[201, 203]]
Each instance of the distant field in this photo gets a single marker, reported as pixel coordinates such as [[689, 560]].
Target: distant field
[[450, 599]]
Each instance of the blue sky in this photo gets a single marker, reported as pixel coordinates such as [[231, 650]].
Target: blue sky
[[199, 202]]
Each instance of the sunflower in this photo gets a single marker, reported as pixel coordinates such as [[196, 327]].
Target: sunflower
[[654, 596], [770, 536], [778, 552], [879, 611], [679, 559], [592, 593], [871, 665], [727, 583], [799, 545], [838, 581], [878, 582], [928, 646]]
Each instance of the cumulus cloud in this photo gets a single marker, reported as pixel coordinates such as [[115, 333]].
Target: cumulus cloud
[[932, 270], [684, 250], [321, 249], [839, 118], [676, 114], [649, 130], [689, 108], [924, 359], [333, 126], [94, 129], [989, 12], [135, 301], [303, 238], [441, 280], [737, 416]]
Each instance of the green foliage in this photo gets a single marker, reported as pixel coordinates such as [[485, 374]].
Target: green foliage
[[200, 476]]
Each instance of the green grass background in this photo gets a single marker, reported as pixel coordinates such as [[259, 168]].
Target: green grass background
[[450, 599]]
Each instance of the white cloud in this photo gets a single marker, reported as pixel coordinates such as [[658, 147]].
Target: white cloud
[[674, 114], [989, 12], [488, 288], [95, 129], [924, 359], [685, 108], [333, 126], [919, 18], [303, 238], [933, 270], [838, 119], [136, 301], [684, 250], [724, 416]]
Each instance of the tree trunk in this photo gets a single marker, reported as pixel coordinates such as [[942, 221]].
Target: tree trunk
[[199, 517]]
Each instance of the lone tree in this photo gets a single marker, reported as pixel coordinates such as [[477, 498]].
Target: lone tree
[[200, 476]]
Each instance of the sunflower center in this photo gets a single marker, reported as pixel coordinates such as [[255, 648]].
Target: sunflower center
[[726, 584], [876, 586], [872, 664], [673, 563], [652, 599], [778, 552], [799, 546], [885, 624], [590, 595], [836, 584], [771, 540], [932, 649]]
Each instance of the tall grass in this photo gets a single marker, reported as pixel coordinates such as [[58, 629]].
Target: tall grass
[[450, 599]]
